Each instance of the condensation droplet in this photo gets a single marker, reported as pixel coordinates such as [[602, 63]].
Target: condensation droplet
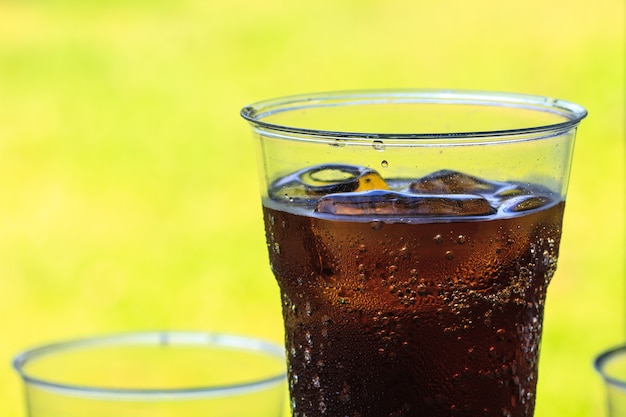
[[470, 354], [384, 163], [438, 239], [344, 394], [500, 333], [461, 239], [378, 145]]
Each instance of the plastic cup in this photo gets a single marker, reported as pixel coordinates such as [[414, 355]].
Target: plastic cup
[[156, 374], [612, 367], [413, 234]]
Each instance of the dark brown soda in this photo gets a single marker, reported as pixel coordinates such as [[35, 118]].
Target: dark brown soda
[[413, 317]]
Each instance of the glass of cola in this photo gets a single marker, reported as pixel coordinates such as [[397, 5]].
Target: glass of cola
[[413, 235]]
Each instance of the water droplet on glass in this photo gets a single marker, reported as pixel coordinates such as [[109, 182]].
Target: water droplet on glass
[[384, 163], [378, 145], [500, 333], [344, 394]]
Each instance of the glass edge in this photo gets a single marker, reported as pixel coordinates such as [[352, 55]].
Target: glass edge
[[156, 338], [254, 112], [601, 360]]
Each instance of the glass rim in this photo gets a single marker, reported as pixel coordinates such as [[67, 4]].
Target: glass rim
[[605, 357], [155, 339], [572, 112]]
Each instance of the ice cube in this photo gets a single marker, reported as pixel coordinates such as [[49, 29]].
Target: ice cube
[[390, 203], [512, 190], [320, 180], [451, 182], [525, 203]]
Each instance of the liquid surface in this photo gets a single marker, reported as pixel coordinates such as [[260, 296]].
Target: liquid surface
[[418, 297]]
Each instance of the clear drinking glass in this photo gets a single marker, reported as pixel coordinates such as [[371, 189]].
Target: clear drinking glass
[[156, 374], [413, 234], [612, 367]]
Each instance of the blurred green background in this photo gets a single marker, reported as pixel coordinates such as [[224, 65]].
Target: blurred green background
[[128, 187]]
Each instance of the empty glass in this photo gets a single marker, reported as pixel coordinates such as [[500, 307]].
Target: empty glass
[[157, 374], [612, 367]]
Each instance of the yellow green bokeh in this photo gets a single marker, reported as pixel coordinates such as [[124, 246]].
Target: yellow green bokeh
[[129, 191]]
